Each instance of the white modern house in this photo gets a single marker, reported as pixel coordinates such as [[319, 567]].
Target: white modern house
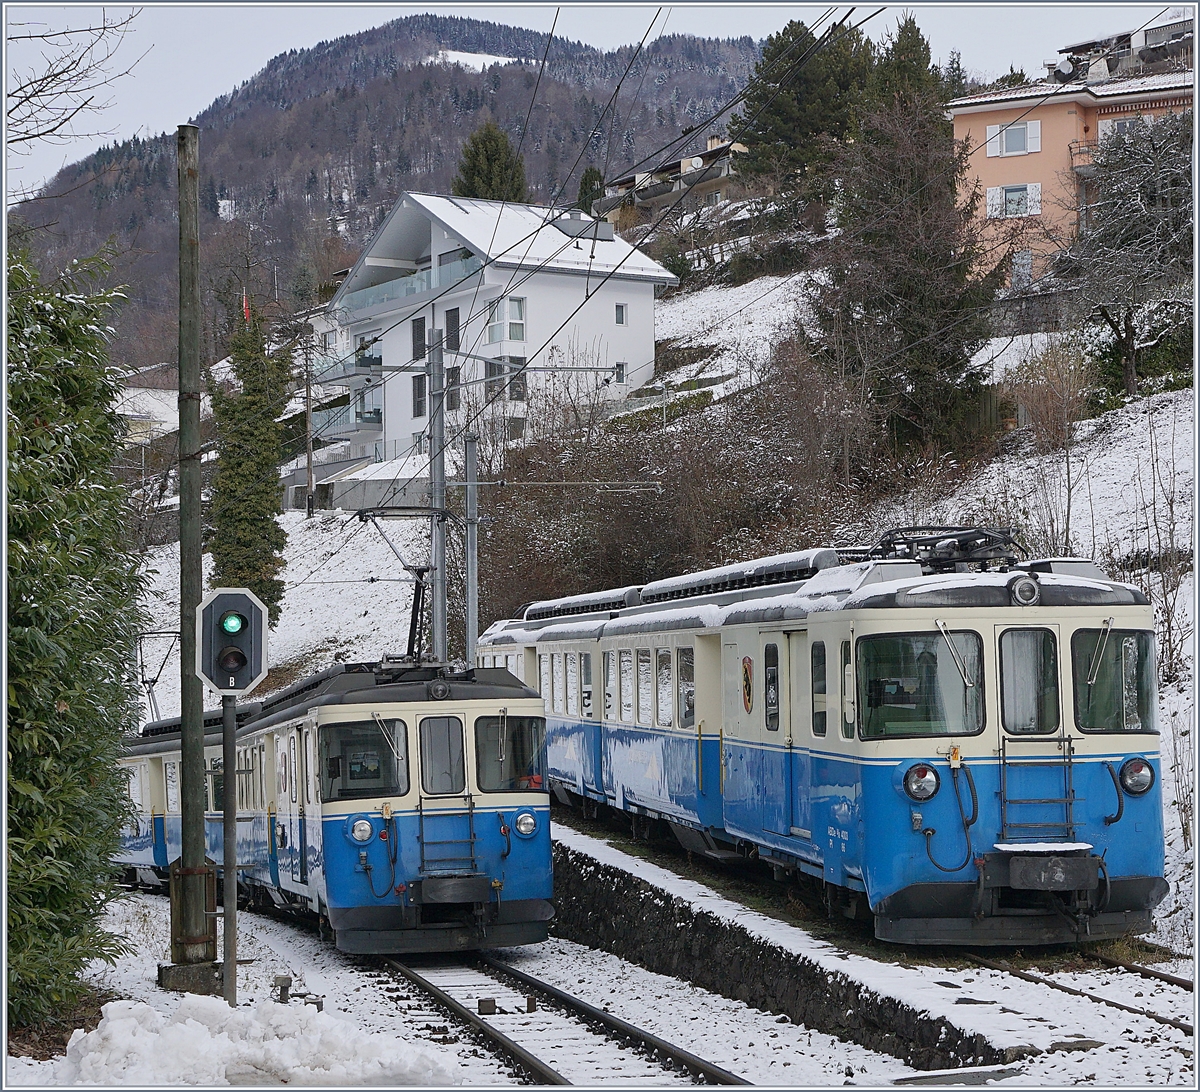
[[527, 297]]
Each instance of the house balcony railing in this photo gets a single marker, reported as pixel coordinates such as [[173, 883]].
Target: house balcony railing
[[344, 421], [1082, 152], [424, 280], [352, 371]]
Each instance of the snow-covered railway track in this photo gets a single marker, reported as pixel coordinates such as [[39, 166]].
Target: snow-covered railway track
[[557, 1038], [1183, 1025]]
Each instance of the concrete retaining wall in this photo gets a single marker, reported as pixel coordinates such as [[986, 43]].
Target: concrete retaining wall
[[609, 909]]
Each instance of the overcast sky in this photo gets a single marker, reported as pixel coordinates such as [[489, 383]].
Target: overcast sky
[[192, 53]]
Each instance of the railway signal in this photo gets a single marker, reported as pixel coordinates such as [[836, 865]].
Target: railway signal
[[231, 641]]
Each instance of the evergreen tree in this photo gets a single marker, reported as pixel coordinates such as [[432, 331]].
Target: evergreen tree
[[794, 104], [591, 189], [489, 168], [953, 78], [73, 618], [245, 538], [208, 197], [904, 66], [906, 302]]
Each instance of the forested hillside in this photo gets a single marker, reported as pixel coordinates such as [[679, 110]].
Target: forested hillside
[[300, 163]]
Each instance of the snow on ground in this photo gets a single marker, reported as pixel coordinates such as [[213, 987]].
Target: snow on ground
[[477, 61], [743, 322], [1000, 355], [331, 609], [1007, 1012]]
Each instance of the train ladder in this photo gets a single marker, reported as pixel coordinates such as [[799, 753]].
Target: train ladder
[[1018, 768], [438, 854]]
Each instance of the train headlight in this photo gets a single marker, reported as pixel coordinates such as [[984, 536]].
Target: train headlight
[[525, 823], [921, 782], [361, 830], [1137, 776], [1025, 591]]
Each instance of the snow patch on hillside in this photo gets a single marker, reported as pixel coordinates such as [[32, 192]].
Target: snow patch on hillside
[[476, 61]]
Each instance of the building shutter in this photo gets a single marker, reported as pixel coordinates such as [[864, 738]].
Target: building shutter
[[1034, 199], [418, 339], [1033, 136], [993, 140], [995, 202], [452, 334]]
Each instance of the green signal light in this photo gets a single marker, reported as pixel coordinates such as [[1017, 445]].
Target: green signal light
[[233, 623]]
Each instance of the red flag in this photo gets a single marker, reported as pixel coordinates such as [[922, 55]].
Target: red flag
[[246, 306]]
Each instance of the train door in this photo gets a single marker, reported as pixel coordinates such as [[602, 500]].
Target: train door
[[774, 732], [809, 717], [739, 743], [297, 835]]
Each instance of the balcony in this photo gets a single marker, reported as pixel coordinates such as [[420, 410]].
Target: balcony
[[1081, 157], [424, 280], [346, 422], [354, 372]]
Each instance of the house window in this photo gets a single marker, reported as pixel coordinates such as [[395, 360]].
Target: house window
[[418, 339], [418, 399], [1004, 202], [622, 314], [1017, 138], [493, 386], [621, 368], [712, 198], [516, 385], [506, 320], [516, 428], [453, 388], [418, 442], [366, 352], [452, 337]]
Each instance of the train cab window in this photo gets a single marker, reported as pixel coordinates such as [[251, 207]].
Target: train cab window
[[442, 766], [645, 688], [625, 656], [1114, 680], [515, 665], [171, 775], [820, 691], [610, 686], [685, 673], [1029, 681], [920, 684], [771, 687], [572, 664], [558, 684], [848, 710], [510, 753], [544, 679], [363, 758], [216, 785], [585, 686], [664, 692]]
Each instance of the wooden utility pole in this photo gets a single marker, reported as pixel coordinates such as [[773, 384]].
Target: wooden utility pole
[[193, 945]]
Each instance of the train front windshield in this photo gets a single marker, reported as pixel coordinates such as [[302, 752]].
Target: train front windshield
[[510, 753], [920, 684], [364, 758], [1114, 680]]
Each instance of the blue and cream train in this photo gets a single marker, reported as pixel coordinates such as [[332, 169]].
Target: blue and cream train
[[406, 805], [959, 744]]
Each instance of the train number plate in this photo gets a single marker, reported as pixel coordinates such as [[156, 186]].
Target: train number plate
[[1053, 873]]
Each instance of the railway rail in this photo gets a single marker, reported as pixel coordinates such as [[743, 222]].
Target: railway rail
[[1183, 1025], [552, 1037]]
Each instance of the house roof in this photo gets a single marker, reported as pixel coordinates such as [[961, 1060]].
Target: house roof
[[511, 235], [1105, 89]]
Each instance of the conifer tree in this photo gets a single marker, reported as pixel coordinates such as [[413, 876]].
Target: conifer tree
[[490, 168], [795, 103], [245, 538], [73, 618], [904, 66], [591, 189]]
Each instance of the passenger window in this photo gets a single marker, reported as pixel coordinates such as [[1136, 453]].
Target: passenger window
[[171, 774], [364, 758], [556, 673], [1029, 681], [216, 785], [626, 664], [771, 687], [573, 684], [509, 753], [281, 778], [262, 782], [610, 686], [819, 692], [685, 662], [847, 692], [645, 688], [663, 691], [585, 685], [442, 768], [293, 767], [544, 677]]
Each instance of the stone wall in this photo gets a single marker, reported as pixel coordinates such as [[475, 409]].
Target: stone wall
[[608, 909]]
